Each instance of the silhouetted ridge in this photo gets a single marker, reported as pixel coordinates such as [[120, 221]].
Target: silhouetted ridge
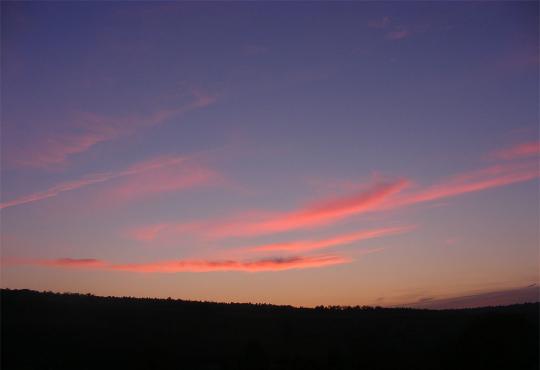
[[75, 331]]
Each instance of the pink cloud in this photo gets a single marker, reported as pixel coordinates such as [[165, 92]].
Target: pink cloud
[[159, 181], [522, 150], [56, 190], [172, 266], [96, 178], [451, 241], [271, 264], [56, 149], [74, 263], [380, 196], [146, 233], [77, 263], [309, 245], [321, 213], [152, 232], [469, 182], [392, 30]]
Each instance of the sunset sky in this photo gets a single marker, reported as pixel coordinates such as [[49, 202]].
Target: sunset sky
[[297, 153]]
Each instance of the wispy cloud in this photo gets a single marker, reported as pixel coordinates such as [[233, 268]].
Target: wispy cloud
[[159, 181], [173, 266], [76, 263], [146, 233], [270, 264], [320, 213], [91, 129], [482, 179], [380, 196], [92, 179], [518, 151], [55, 150], [309, 245], [150, 233], [398, 34], [392, 31]]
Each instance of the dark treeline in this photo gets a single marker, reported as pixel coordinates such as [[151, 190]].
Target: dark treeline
[[42, 331]]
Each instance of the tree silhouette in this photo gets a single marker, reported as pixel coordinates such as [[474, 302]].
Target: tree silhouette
[[72, 331]]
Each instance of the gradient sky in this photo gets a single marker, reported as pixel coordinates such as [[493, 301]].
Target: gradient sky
[[294, 153]]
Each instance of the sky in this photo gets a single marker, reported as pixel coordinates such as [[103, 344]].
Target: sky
[[302, 153]]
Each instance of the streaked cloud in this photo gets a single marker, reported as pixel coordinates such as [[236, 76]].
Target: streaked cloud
[[76, 263], [398, 34], [91, 129], [159, 181], [474, 181], [309, 245], [92, 179], [323, 212], [522, 150], [392, 31], [378, 197], [172, 266], [270, 264], [146, 233]]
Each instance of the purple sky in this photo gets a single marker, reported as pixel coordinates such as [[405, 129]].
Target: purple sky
[[296, 152]]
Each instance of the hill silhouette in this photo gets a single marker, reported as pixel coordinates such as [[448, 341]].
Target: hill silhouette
[[75, 331]]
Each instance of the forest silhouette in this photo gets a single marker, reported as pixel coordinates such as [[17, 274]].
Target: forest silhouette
[[43, 330]]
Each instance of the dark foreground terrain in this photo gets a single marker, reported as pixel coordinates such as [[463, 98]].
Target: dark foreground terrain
[[71, 331]]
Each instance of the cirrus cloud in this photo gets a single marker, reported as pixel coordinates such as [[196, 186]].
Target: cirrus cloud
[[174, 266], [55, 149], [309, 245], [150, 176], [522, 150]]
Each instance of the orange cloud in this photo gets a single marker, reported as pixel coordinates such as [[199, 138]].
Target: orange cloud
[[309, 245], [96, 178], [270, 264], [518, 151]]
